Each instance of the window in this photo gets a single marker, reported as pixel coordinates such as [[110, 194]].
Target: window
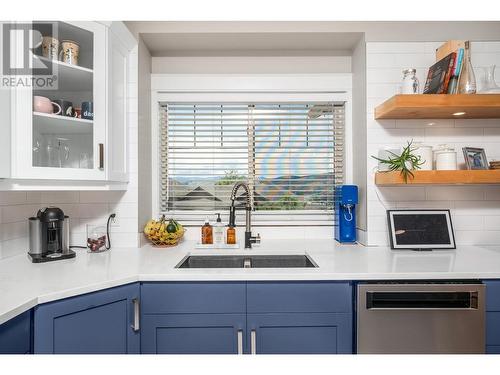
[[291, 155]]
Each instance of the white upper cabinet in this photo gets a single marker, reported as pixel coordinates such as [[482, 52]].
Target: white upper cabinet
[[120, 43], [72, 128]]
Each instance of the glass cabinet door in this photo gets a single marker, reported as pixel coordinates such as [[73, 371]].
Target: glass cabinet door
[[66, 115]]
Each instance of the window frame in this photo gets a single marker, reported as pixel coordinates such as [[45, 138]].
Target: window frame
[[251, 88]]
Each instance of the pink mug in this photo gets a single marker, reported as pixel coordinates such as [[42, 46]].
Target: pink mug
[[44, 105]]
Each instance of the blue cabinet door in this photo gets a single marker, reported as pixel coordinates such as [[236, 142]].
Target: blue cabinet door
[[300, 333], [95, 323], [15, 335], [193, 333], [492, 316]]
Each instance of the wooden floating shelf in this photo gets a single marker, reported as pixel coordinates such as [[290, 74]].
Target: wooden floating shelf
[[459, 177], [431, 106]]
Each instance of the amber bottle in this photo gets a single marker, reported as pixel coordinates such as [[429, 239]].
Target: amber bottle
[[231, 235], [207, 237]]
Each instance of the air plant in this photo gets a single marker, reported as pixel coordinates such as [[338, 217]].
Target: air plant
[[406, 162]]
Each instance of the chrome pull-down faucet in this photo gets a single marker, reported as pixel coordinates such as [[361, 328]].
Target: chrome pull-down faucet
[[249, 239]]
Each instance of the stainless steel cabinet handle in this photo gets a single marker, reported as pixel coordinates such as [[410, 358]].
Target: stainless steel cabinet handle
[[136, 325], [253, 342], [240, 341], [101, 156]]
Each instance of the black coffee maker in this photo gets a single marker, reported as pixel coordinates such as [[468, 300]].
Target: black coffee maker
[[49, 236]]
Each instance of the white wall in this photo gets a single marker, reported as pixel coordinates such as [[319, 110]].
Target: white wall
[[83, 207], [144, 90], [252, 65], [475, 209], [359, 134]]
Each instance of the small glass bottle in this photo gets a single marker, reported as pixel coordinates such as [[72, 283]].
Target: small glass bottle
[[207, 233], [467, 81], [410, 83], [231, 235]]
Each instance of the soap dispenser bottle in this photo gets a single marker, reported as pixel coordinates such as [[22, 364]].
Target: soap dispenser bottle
[[207, 233], [218, 232], [231, 235]]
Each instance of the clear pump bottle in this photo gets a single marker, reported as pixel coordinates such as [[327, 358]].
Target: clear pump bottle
[[218, 232]]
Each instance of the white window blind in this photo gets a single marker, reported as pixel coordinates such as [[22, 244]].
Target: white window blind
[[291, 154]]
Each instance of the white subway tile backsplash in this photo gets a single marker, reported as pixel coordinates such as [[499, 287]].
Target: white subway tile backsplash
[[412, 60], [56, 197], [398, 194], [492, 193], [482, 47], [381, 60], [12, 197], [454, 135], [101, 196], [90, 210], [11, 214], [394, 136], [438, 205], [395, 47], [486, 207], [377, 223], [477, 123], [378, 90], [383, 75], [425, 124], [468, 223], [455, 193], [10, 231], [492, 222]]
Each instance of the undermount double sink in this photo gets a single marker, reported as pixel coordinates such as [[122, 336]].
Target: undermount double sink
[[247, 261]]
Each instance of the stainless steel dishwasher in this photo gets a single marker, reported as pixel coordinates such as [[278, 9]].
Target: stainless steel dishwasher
[[420, 318]]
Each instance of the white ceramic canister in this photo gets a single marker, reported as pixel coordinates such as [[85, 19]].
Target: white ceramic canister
[[446, 158], [385, 154], [426, 156]]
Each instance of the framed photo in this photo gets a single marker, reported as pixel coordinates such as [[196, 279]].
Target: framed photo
[[475, 158], [420, 229]]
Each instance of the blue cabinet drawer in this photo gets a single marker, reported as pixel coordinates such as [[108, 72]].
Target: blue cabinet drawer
[[193, 297], [492, 295], [493, 328], [298, 297], [15, 335], [493, 349]]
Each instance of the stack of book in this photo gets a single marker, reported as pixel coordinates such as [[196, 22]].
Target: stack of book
[[444, 75], [494, 164]]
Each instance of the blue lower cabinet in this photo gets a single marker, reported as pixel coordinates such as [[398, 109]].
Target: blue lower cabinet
[[15, 335], [492, 349], [306, 333], [193, 333], [492, 316], [95, 323]]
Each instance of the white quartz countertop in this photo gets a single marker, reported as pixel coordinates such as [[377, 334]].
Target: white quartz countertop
[[24, 284]]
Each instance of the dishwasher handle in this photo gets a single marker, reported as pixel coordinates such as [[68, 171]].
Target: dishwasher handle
[[421, 300]]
